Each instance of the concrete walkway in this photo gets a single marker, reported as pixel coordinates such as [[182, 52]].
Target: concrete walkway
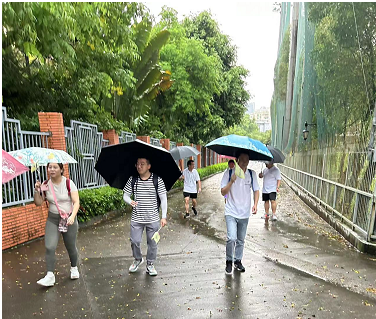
[[297, 267]]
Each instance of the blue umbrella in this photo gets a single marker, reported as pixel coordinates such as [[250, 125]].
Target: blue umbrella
[[231, 145]]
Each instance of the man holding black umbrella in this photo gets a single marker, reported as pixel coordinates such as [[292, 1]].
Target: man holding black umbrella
[[146, 189]]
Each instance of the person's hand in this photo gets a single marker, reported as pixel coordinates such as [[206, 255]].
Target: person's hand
[[163, 222], [182, 177], [260, 175], [254, 209], [37, 186], [277, 189], [70, 220], [133, 203], [199, 190], [233, 178]]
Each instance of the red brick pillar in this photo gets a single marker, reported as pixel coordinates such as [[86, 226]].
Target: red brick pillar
[[181, 162], [198, 164], [111, 136], [165, 143], [145, 139], [53, 122]]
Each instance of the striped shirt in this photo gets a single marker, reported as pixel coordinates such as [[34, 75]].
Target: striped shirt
[[146, 210]]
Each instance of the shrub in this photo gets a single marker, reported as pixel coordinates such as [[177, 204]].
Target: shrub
[[99, 201]]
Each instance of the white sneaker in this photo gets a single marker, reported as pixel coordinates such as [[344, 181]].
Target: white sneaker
[[74, 274], [150, 269], [135, 265], [274, 218], [265, 216], [48, 280]]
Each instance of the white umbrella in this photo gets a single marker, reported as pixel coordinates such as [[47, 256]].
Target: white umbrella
[[181, 152]]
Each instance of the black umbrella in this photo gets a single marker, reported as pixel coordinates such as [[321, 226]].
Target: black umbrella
[[278, 156], [116, 163]]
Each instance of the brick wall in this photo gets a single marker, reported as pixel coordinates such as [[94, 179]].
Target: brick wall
[[23, 223]]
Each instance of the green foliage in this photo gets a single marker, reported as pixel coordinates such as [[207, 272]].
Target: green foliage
[[343, 102], [99, 201], [66, 57], [204, 172], [282, 68], [248, 127], [208, 94]]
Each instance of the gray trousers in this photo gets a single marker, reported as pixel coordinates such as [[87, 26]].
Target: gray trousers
[[136, 237], [51, 240]]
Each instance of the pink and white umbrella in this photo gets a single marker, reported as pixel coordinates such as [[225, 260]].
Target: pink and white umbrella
[[11, 167]]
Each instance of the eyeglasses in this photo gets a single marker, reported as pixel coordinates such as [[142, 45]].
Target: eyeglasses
[[140, 164]]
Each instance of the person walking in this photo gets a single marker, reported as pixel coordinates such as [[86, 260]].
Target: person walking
[[237, 211], [191, 178], [272, 181], [146, 189], [63, 200]]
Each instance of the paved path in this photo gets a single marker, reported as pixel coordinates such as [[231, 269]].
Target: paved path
[[297, 267]]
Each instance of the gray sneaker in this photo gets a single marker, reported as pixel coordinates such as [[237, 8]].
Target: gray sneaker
[[136, 263], [150, 269]]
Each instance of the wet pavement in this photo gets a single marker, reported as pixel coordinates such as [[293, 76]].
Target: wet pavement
[[297, 267]]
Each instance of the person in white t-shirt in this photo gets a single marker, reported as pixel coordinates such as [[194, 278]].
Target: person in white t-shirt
[[191, 178], [272, 181], [238, 209]]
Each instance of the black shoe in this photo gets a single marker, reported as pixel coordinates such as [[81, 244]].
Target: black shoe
[[186, 215], [238, 266], [228, 269], [194, 210]]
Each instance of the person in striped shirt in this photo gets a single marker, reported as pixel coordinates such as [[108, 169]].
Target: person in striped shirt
[[145, 213]]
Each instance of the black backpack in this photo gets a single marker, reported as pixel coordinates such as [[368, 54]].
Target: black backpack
[[155, 183]]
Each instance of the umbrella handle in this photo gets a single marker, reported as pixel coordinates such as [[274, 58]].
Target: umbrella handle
[[38, 174]]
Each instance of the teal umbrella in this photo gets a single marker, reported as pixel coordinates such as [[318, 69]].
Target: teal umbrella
[[232, 145]]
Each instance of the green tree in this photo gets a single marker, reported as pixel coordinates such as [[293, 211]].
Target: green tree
[[65, 57], [248, 127]]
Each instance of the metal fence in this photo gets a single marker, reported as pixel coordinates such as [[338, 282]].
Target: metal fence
[[20, 189], [126, 137], [84, 143], [343, 183]]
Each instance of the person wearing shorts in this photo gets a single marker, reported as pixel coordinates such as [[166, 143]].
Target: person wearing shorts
[[272, 181], [191, 179]]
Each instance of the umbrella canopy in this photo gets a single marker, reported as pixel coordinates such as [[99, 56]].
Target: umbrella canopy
[[180, 152], [278, 156], [41, 156], [116, 163], [230, 145], [11, 167]]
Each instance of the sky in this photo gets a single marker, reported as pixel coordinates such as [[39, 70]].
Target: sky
[[253, 28]]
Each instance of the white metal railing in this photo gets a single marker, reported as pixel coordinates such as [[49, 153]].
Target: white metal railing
[[352, 206]]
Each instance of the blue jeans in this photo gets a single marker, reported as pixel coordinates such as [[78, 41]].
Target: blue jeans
[[236, 231]]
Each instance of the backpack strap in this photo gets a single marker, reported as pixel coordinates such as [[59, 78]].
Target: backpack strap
[[67, 183], [250, 172], [155, 182], [44, 192]]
